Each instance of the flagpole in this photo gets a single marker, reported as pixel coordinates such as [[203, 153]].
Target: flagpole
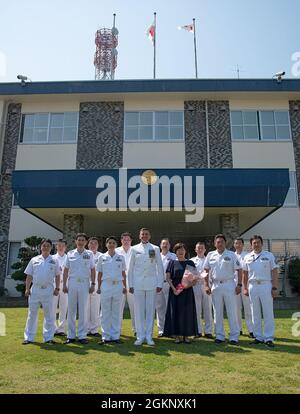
[[195, 49], [154, 48]]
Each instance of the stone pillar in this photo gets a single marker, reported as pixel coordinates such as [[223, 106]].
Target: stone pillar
[[295, 127], [195, 134], [220, 145], [229, 227], [100, 135], [73, 224], [11, 138]]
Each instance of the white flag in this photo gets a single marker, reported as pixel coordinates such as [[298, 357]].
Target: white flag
[[188, 27]]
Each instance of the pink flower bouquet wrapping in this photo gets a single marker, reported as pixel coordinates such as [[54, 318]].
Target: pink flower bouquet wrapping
[[189, 279]]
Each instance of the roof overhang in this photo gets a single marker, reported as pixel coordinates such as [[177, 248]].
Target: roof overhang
[[220, 86]]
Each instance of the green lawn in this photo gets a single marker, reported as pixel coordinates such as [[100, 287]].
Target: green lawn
[[201, 367]]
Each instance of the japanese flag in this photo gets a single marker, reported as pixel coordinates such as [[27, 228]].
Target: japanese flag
[[151, 32]]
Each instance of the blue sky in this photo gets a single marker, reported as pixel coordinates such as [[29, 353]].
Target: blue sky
[[54, 40]]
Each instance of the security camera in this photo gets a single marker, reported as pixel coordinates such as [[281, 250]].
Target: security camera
[[279, 76], [22, 78]]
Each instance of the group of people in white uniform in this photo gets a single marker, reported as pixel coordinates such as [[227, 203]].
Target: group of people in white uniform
[[94, 287]]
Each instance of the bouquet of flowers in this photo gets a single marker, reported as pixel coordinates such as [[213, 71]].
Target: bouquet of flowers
[[189, 279]]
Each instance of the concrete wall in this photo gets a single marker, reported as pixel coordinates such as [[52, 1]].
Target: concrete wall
[[263, 155], [46, 157], [153, 155], [24, 225], [283, 224]]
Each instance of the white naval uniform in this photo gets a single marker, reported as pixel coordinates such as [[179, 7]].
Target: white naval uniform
[[202, 299], [80, 266], [43, 272], [61, 299], [243, 301], [222, 269], [163, 296], [111, 268], [259, 268], [145, 274], [128, 296], [93, 307]]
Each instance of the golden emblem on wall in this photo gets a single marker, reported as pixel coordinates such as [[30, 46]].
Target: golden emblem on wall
[[149, 177]]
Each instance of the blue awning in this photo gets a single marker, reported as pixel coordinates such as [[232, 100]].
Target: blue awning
[[222, 187]]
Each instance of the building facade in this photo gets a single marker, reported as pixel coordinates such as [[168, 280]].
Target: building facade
[[58, 138]]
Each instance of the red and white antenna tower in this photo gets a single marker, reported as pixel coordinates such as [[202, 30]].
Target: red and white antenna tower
[[105, 60]]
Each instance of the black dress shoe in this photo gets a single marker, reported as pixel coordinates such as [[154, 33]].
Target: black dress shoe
[[95, 335], [83, 341], [26, 342], [209, 336], [89, 334], [117, 341], [241, 333], [103, 342], [51, 342], [256, 342], [270, 344], [233, 342], [59, 334], [218, 341], [198, 336], [160, 335], [251, 335], [69, 341]]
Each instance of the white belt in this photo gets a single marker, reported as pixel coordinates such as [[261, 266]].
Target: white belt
[[79, 279], [41, 286], [259, 282], [113, 282], [223, 281]]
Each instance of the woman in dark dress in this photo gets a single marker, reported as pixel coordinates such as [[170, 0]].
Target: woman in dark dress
[[181, 317]]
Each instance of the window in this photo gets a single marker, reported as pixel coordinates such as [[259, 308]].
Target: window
[[244, 125], [260, 125], [292, 195], [154, 126], [49, 128]]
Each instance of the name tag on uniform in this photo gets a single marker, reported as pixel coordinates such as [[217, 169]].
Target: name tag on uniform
[[119, 259], [85, 256], [52, 262], [227, 259], [265, 259]]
